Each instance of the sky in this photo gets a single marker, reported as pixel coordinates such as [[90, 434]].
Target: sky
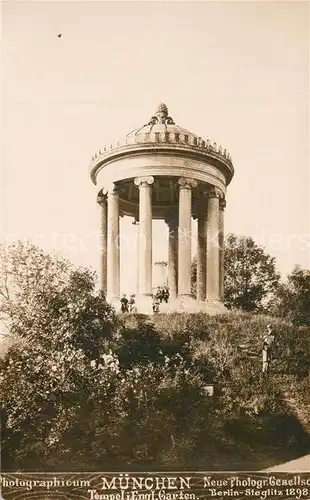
[[237, 72]]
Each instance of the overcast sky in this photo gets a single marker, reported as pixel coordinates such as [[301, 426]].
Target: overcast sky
[[237, 72]]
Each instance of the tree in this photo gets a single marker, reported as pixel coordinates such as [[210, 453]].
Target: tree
[[76, 385], [44, 298], [293, 297], [27, 273], [251, 278], [58, 325]]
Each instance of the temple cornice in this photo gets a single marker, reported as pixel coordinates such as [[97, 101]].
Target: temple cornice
[[206, 158]]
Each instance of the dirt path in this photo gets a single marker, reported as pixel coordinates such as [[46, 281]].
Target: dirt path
[[301, 464]]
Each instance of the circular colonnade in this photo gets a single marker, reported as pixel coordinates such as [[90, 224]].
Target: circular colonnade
[[163, 171]]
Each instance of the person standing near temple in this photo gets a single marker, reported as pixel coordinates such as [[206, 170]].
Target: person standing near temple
[[166, 294], [159, 294], [156, 304], [132, 304], [268, 340], [124, 304]]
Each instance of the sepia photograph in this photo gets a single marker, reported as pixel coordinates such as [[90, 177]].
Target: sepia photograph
[[155, 250]]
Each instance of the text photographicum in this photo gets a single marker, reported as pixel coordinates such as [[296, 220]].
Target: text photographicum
[[155, 486]]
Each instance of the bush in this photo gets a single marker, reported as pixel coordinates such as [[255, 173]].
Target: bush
[[137, 398]]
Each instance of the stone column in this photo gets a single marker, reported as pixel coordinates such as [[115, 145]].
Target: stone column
[[135, 223], [213, 247], [184, 236], [102, 201], [202, 253], [222, 250], [145, 235], [172, 222], [113, 281], [137, 257]]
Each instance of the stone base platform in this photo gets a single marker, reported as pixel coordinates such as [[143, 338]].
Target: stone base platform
[[179, 305], [190, 305]]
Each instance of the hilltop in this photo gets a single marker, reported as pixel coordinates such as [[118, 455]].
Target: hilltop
[[253, 421], [134, 393]]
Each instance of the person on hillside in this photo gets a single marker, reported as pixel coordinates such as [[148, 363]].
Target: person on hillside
[[166, 294], [156, 303], [132, 303], [124, 304], [268, 340], [159, 294]]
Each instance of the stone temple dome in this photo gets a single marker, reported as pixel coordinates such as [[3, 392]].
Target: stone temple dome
[[162, 131]]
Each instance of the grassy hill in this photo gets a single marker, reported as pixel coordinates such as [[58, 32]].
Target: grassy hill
[[252, 421], [147, 406]]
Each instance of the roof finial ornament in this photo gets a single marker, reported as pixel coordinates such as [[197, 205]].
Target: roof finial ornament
[[161, 116], [162, 111]]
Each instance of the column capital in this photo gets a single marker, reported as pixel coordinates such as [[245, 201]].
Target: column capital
[[214, 192], [144, 181], [102, 196], [186, 183], [222, 204]]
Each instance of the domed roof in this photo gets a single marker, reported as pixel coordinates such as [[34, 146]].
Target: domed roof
[[161, 129], [162, 134], [160, 123]]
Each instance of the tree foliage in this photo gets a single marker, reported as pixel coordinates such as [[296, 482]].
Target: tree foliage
[[251, 278], [57, 324], [293, 297], [77, 385]]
